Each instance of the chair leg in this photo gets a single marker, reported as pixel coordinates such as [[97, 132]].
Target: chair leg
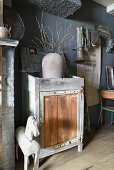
[[112, 118], [101, 114], [100, 118]]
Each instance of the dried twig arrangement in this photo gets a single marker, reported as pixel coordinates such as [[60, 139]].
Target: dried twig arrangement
[[47, 42]]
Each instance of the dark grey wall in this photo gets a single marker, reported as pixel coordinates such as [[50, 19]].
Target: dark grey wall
[[89, 15]]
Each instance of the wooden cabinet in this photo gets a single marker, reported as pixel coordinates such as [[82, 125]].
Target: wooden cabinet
[[58, 105]]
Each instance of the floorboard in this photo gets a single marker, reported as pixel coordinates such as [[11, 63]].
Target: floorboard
[[98, 154]]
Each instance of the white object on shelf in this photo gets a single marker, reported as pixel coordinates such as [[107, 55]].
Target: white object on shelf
[[9, 42]]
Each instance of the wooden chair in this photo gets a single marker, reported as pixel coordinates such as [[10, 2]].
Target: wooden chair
[[109, 95]]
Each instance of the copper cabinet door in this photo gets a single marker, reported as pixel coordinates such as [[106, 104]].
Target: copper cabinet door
[[60, 118]]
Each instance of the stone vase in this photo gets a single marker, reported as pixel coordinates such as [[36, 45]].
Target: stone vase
[[53, 66]]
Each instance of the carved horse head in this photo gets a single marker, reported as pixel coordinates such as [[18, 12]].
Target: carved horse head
[[31, 128]]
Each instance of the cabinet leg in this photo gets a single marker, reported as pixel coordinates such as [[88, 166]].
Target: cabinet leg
[[80, 147]]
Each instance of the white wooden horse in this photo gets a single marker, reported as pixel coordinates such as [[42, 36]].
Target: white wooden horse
[[24, 137]]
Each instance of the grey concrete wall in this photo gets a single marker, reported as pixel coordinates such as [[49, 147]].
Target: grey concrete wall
[[89, 15], [8, 140]]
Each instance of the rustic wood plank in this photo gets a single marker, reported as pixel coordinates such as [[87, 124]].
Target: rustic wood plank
[[54, 122], [61, 119], [50, 120], [47, 137], [73, 116], [67, 115], [64, 117]]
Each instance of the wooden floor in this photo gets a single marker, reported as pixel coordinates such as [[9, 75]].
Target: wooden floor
[[98, 154]]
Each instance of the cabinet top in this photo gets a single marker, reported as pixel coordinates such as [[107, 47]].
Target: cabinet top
[[43, 84]]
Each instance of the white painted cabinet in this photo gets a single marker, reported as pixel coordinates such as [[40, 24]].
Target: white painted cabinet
[[58, 105]]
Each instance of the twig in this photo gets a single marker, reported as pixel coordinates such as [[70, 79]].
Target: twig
[[36, 44], [47, 41]]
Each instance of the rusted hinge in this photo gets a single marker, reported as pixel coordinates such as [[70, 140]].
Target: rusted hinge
[[82, 92]]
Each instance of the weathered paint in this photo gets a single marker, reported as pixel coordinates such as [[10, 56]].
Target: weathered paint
[[71, 87]]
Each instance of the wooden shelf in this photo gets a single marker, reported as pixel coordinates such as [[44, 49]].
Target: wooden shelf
[[9, 42]]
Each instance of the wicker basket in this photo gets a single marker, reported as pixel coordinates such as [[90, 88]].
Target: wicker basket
[[3, 32]]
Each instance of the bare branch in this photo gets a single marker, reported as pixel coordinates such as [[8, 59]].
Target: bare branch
[[36, 44], [47, 40], [52, 42]]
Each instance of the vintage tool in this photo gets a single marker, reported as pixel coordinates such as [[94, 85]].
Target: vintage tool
[[94, 38], [83, 43]]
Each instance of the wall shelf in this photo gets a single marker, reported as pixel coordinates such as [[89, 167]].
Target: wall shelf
[[9, 42]]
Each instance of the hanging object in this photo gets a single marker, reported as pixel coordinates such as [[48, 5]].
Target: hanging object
[[12, 18], [58, 7], [90, 70], [103, 31], [109, 45], [94, 38], [110, 77], [83, 42]]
